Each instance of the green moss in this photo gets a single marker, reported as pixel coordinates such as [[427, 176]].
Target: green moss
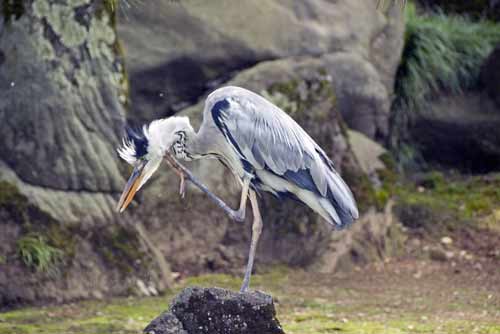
[[362, 188], [297, 96], [120, 247], [439, 202], [12, 9], [13, 201]]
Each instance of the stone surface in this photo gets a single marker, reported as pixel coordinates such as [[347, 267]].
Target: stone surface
[[490, 75], [459, 131], [193, 46], [61, 83], [217, 311]]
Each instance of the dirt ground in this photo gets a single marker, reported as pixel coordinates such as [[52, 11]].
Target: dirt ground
[[395, 296]]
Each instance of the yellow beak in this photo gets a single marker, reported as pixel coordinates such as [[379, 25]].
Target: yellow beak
[[131, 188]]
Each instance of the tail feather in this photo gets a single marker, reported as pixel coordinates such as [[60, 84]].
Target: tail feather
[[340, 203]]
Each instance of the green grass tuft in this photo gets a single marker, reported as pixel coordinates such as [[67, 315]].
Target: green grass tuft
[[36, 253], [442, 53]]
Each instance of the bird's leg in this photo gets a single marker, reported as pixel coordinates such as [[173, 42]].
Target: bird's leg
[[182, 187], [256, 230], [238, 215]]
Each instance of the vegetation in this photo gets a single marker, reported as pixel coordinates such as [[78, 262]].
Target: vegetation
[[476, 9], [35, 252], [435, 202], [442, 53], [121, 248]]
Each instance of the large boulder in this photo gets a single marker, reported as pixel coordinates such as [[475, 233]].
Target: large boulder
[[459, 132], [61, 86], [490, 75], [176, 51]]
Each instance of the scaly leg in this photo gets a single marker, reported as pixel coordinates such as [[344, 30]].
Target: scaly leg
[[183, 172], [256, 230]]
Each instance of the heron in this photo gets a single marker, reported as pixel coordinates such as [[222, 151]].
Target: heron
[[264, 148]]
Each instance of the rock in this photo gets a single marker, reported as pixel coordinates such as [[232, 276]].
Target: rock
[[61, 82], [349, 248], [438, 254], [368, 154], [446, 241], [165, 323], [490, 75], [460, 132], [191, 47], [217, 311]]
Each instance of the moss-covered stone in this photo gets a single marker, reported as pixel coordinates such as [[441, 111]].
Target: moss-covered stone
[[13, 201], [120, 247], [36, 225]]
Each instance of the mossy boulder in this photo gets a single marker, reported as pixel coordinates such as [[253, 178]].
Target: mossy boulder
[[62, 88]]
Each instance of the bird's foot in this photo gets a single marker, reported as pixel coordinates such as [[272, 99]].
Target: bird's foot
[[238, 216], [244, 288]]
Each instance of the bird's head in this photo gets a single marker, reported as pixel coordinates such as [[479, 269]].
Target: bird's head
[[144, 149]]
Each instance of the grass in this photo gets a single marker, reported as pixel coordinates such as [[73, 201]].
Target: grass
[[36, 253], [441, 53], [436, 201]]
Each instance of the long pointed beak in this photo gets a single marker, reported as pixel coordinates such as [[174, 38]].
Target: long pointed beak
[[131, 188]]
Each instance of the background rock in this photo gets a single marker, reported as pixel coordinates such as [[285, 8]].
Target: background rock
[[194, 46], [61, 83], [490, 76], [459, 131]]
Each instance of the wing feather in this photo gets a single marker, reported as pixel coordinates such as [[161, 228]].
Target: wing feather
[[267, 138]]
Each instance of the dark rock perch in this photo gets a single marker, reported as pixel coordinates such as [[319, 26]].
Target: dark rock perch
[[217, 311]]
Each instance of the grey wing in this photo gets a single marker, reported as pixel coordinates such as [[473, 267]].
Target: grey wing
[[267, 138]]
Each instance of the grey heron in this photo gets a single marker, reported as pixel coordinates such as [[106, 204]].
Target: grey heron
[[264, 148]]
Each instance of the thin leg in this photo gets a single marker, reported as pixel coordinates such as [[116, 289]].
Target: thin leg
[[256, 230], [238, 215], [182, 185]]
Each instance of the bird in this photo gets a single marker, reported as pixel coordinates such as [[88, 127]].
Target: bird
[[265, 149]]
